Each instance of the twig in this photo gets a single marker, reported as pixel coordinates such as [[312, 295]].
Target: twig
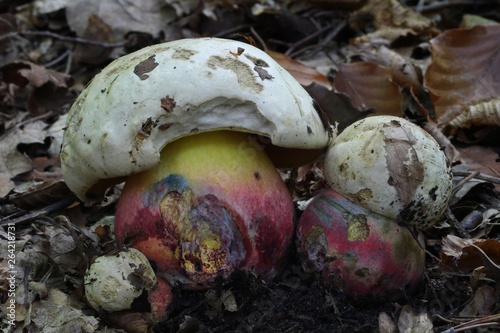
[[61, 57], [79, 40], [230, 31], [258, 38], [437, 5], [32, 215], [308, 39], [477, 175], [464, 181], [479, 322]]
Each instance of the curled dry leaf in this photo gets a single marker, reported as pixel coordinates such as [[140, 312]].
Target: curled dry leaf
[[369, 86], [468, 254], [409, 77], [464, 76], [391, 20]]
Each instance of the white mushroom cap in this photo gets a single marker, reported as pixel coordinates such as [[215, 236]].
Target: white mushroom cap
[[144, 100], [114, 281], [391, 167]]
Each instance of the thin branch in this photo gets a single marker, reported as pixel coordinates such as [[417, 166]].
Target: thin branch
[[79, 40], [477, 175]]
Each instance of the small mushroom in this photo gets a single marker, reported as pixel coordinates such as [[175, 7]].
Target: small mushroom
[[391, 167], [197, 128], [114, 281]]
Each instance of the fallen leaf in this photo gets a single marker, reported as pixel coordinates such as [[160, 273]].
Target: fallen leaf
[[302, 73], [479, 158], [468, 254], [464, 76], [121, 16], [12, 162], [469, 21], [336, 106], [411, 322], [96, 30], [227, 298], [386, 324], [47, 89], [481, 304], [48, 6], [390, 20], [60, 314], [409, 78], [369, 86]]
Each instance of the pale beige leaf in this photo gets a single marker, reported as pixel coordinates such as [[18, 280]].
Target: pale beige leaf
[[411, 322], [121, 16], [12, 162]]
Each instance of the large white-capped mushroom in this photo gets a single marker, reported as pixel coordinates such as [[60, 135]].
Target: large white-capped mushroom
[[189, 123]]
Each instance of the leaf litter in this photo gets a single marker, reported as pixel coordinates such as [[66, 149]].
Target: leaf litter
[[356, 59]]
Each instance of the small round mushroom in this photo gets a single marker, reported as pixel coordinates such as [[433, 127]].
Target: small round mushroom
[[391, 167], [197, 128], [114, 281]]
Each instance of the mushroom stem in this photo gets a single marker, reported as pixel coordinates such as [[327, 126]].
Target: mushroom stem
[[214, 204]]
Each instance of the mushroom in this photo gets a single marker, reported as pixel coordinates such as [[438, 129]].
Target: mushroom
[[384, 173], [197, 128], [114, 281], [391, 167], [365, 255]]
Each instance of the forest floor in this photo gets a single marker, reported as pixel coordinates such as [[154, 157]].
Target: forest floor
[[49, 51]]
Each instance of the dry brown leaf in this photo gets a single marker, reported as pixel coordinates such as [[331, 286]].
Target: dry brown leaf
[[480, 158], [409, 77], [22, 73], [302, 73], [97, 30], [391, 20], [468, 254], [336, 106], [369, 87], [464, 76], [47, 89]]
